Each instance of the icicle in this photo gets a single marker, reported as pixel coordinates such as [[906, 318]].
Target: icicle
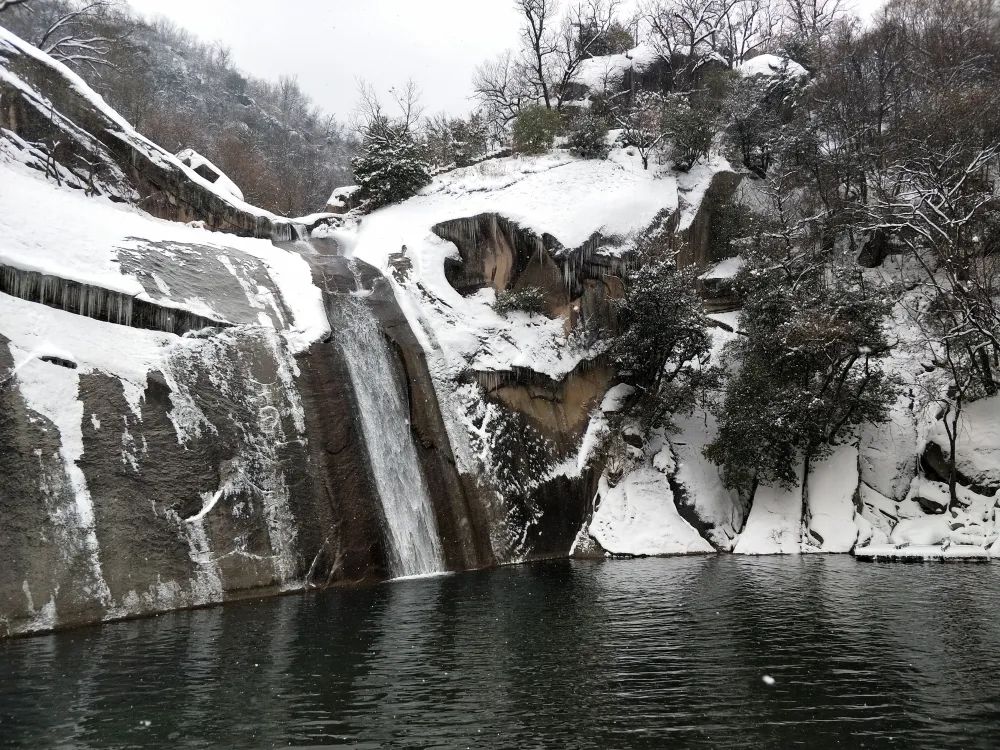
[[100, 304]]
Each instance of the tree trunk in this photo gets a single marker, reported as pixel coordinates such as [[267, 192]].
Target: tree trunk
[[806, 462], [953, 454]]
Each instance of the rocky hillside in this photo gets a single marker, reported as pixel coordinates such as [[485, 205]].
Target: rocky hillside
[[526, 404], [203, 401], [182, 92], [180, 421]]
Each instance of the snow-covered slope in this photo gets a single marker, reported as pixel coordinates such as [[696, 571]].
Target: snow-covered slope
[[99, 151], [203, 166], [491, 369], [63, 233], [570, 199]]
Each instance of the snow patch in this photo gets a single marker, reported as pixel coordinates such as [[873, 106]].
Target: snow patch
[[832, 485], [774, 526], [638, 517], [771, 65]]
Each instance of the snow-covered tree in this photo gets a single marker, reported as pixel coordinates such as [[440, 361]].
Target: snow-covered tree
[[588, 136], [392, 165], [456, 141], [753, 128], [534, 130], [942, 207], [543, 69], [661, 342], [643, 122], [690, 130], [806, 368]]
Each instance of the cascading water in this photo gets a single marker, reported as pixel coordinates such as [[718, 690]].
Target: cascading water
[[415, 546]]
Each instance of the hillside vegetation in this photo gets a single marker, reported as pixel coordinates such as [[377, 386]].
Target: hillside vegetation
[[181, 92]]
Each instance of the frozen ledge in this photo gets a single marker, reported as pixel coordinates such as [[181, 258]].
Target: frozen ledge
[[100, 304], [923, 553]]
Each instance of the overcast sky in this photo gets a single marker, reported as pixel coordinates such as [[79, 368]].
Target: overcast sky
[[330, 44]]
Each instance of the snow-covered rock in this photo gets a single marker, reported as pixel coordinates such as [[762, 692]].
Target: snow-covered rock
[[62, 233], [774, 526], [716, 506], [638, 517], [201, 164], [831, 487], [978, 450], [771, 65], [100, 152], [603, 73], [889, 452]]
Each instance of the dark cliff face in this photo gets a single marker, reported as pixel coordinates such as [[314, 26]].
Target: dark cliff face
[[537, 422], [462, 517], [193, 491], [237, 470], [43, 567]]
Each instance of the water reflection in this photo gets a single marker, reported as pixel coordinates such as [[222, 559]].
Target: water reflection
[[645, 654]]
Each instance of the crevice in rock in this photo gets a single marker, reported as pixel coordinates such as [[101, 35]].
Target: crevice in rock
[[495, 251]]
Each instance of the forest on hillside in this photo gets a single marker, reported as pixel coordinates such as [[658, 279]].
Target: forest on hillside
[[183, 92]]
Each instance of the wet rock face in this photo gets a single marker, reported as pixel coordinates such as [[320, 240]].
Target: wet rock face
[[535, 423], [236, 286], [558, 409], [42, 568], [702, 237], [460, 511], [228, 475], [496, 253]]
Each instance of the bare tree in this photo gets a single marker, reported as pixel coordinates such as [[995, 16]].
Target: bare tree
[[687, 33], [373, 120], [937, 205], [584, 26], [70, 40], [745, 27], [547, 63], [643, 123], [539, 42], [814, 18], [809, 24]]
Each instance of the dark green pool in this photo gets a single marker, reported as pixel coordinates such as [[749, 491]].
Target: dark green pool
[[620, 654]]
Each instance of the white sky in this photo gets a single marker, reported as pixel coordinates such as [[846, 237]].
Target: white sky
[[330, 44]]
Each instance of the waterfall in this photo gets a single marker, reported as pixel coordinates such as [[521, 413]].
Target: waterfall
[[409, 516]]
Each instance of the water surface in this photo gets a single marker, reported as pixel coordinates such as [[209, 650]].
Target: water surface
[[618, 654]]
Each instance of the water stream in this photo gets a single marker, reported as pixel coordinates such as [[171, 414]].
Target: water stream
[[411, 528]]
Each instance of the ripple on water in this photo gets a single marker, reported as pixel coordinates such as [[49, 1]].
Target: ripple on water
[[644, 654]]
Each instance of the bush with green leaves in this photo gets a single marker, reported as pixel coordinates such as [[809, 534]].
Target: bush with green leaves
[[661, 343], [807, 363], [594, 41], [391, 167], [456, 141], [690, 131], [588, 136], [528, 299], [535, 129]]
